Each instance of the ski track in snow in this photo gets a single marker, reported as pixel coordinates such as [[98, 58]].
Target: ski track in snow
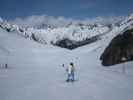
[[35, 73]]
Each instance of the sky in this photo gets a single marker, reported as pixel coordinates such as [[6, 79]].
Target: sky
[[77, 9]]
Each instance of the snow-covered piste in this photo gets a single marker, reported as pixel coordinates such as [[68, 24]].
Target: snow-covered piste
[[35, 71]]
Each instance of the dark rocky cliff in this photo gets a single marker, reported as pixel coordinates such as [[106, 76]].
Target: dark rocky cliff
[[119, 50]]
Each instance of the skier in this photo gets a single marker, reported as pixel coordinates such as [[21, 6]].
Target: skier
[[70, 71]]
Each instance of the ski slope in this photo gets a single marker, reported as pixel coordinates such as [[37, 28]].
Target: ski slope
[[35, 73]]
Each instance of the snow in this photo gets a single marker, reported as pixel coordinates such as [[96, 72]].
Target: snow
[[75, 32], [48, 36], [128, 19], [71, 30], [35, 72]]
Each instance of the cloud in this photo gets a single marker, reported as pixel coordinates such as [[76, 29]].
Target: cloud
[[1, 20], [34, 21], [105, 20], [39, 20]]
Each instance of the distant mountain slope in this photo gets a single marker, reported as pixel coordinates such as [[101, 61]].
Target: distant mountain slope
[[69, 36]]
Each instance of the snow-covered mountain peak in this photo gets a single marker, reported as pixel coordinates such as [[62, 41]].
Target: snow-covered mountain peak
[[131, 16], [128, 20], [70, 34]]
